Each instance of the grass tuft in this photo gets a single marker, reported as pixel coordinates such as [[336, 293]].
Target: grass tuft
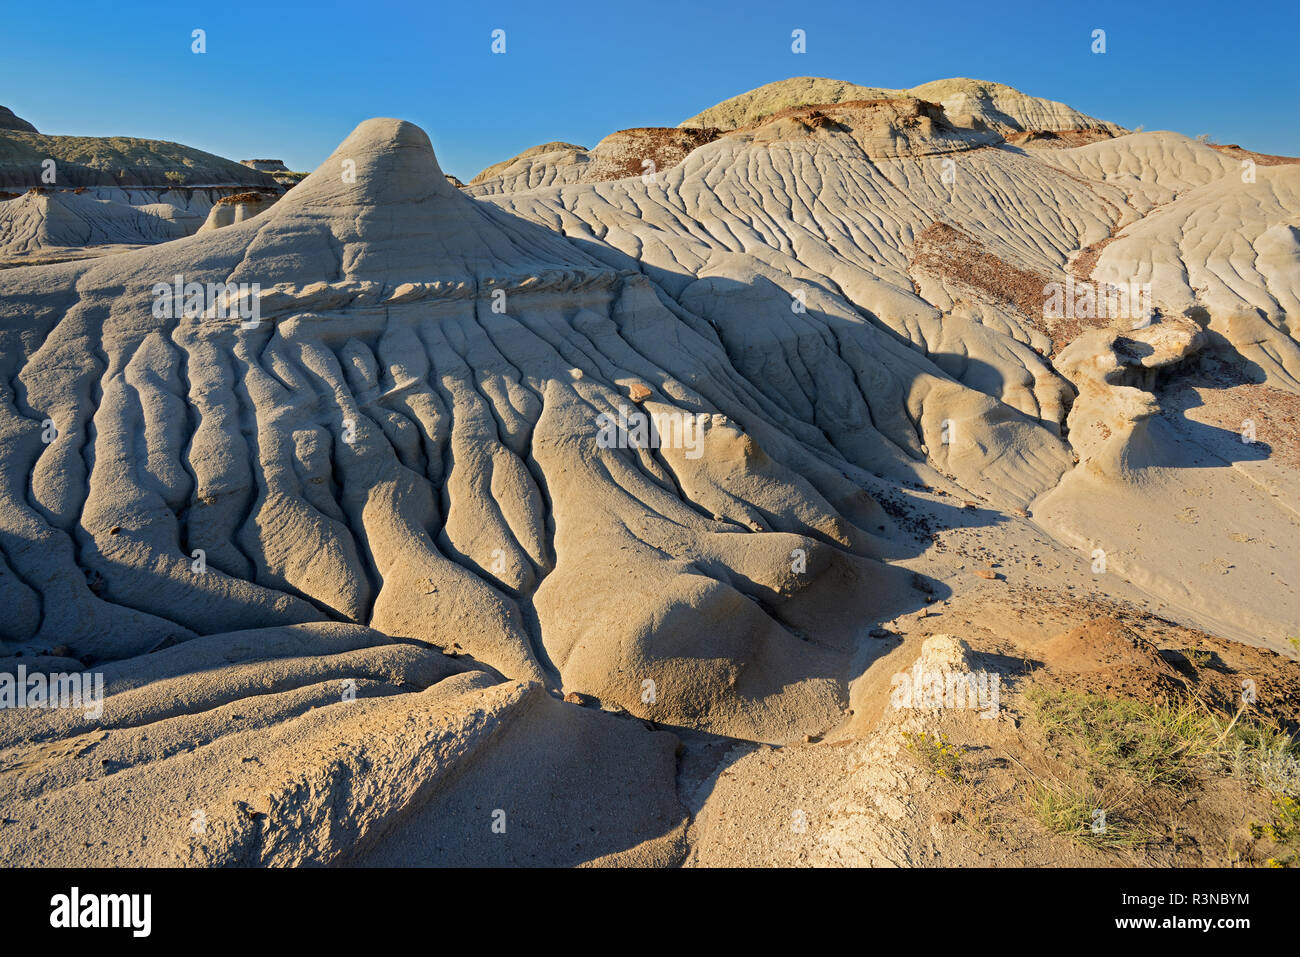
[[1084, 814], [936, 753]]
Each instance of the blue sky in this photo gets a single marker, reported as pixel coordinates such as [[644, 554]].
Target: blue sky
[[290, 79]]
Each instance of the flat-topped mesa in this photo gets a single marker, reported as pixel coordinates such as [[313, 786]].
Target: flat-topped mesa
[[266, 165]]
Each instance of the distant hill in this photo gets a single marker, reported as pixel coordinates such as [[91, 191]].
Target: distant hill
[[998, 106], [977, 105], [107, 192], [10, 122], [122, 161]]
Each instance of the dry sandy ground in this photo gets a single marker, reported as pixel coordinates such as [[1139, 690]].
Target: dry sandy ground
[[859, 796]]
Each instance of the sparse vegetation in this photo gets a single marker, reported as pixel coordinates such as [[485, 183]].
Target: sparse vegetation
[[148, 160], [1124, 756], [1165, 745], [1266, 757], [1283, 831], [936, 753], [1159, 745], [1083, 813]]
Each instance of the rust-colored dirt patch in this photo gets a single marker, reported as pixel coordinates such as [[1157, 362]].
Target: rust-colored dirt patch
[[663, 146], [954, 255], [1261, 159], [238, 198], [1086, 261], [1058, 139]]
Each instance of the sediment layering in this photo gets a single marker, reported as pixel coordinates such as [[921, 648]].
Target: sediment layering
[[76, 197], [340, 550], [975, 103]]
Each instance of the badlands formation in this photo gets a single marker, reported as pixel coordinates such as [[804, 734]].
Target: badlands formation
[[72, 197], [367, 583]]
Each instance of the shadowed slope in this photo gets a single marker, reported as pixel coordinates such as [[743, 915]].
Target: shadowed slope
[[395, 444]]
